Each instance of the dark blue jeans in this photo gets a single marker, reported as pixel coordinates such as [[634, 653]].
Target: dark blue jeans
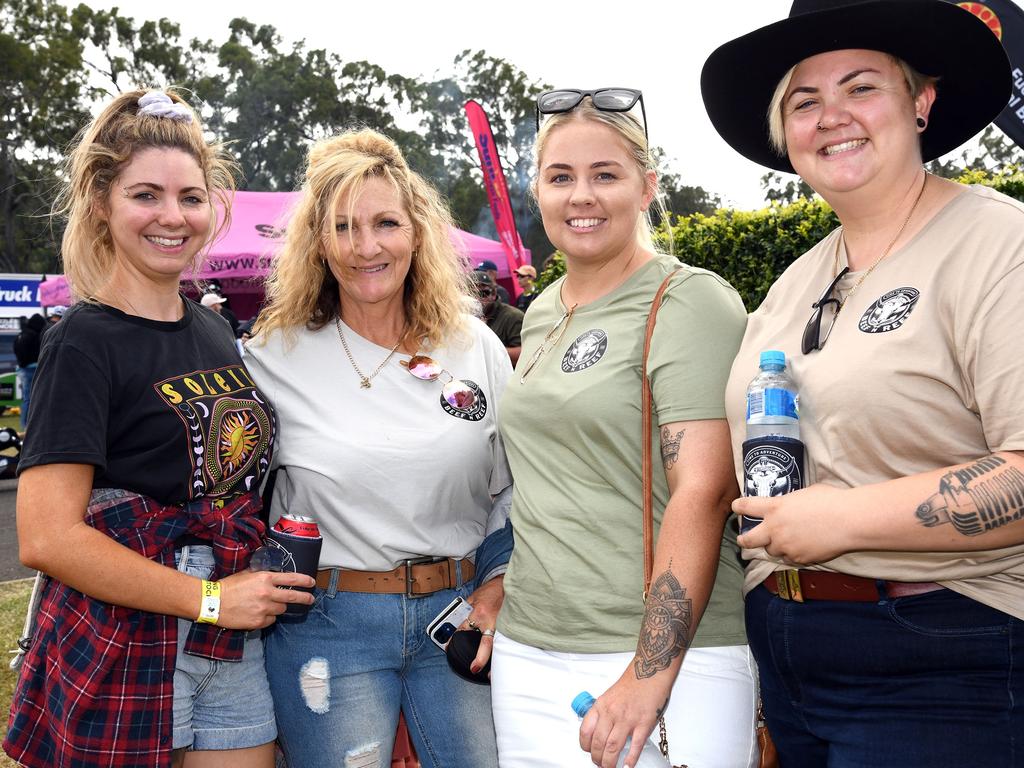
[[930, 680]]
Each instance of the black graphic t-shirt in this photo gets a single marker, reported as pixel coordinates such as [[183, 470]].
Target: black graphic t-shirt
[[165, 409]]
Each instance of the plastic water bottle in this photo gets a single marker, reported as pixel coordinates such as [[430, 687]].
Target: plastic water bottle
[[773, 454], [650, 756]]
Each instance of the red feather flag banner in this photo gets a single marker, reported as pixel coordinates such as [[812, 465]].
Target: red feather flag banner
[[497, 189]]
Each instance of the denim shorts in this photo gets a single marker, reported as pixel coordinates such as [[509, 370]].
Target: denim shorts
[[219, 704]]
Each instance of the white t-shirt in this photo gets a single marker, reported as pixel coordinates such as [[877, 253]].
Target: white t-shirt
[[390, 472]]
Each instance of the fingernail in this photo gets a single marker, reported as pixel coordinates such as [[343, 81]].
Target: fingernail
[[474, 668]]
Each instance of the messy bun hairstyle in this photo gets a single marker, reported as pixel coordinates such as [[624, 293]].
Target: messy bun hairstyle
[[95, 160], [302, 290]]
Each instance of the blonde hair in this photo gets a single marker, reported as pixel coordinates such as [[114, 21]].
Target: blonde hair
[[302, 290], [632, 134], [97, 157], [916, 83]]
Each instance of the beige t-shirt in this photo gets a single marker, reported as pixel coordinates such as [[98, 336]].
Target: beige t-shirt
[[573, 432], [924, 368]]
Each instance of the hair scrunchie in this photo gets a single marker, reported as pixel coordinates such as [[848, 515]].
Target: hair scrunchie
[[159, 104]]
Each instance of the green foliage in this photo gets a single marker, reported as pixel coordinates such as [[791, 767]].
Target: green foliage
[[751, 249], [554, 268]]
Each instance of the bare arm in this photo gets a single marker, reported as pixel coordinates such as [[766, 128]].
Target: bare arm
[[698, 463], [964, 507], [53, 537]]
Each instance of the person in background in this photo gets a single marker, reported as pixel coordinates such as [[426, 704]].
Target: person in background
[[505, 321], [885, 600], [26, 353], [491, 269], [55, 315], [526, 275], [218, 304], [388, 392], [574, 616], [138, 489]]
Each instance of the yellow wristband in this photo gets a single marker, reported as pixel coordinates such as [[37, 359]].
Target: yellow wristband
[[209, 611]]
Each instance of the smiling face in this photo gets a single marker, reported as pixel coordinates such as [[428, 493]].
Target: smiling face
[[158, 213], [591, 192], [373, 245], [868, 137]]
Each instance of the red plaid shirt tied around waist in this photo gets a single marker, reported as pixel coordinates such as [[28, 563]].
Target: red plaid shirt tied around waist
[[97, 684]]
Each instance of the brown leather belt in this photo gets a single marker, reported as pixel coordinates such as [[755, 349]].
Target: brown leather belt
[[800, 585], [414, 578]]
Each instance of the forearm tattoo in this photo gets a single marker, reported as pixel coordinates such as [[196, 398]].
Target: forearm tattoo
[[670, 446], [665, 632], [982, 497]]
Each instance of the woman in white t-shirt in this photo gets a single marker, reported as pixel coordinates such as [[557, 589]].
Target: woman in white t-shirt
[[396, 458], [885, 600]]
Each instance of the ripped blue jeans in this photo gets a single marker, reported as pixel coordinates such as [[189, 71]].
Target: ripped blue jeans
[[340, 677]]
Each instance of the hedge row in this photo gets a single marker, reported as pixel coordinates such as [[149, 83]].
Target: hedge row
[[751, 249]]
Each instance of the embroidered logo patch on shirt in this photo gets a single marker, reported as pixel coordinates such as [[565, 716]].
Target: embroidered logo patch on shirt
[[475, 412], [586, 351], [889, 311]]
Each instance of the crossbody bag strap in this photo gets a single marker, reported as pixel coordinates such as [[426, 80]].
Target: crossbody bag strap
[[646, 407]]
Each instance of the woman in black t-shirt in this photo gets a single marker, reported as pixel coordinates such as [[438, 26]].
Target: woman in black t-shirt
[[139, 481]]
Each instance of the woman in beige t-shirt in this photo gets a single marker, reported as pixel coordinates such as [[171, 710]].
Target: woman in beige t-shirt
[[885, 600]]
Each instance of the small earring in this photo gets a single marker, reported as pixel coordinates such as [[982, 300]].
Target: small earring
[[821, 127], [921, 122]]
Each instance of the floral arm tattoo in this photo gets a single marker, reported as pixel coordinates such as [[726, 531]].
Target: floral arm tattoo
[[670, 446], [665, 632], [981, 497]]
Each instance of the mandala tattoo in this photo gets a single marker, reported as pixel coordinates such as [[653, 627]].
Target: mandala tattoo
[[670, 446], [665, 632], [981, 497]]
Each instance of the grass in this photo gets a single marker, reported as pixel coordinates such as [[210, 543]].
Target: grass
[[13, 601]]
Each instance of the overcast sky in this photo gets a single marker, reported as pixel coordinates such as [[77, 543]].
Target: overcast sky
[[658, 47]]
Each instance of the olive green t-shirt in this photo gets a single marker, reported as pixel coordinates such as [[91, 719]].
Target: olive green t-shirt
[[572, 432]]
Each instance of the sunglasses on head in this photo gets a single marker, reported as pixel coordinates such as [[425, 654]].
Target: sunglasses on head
[[604, 99], [456, 392], [813, 339]]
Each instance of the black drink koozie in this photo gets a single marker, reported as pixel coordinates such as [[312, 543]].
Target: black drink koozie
[[772, 466], [303, 554]]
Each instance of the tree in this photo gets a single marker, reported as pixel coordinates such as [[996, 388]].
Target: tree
[[681, 199], [992, 152], [775, 191], [42, 84]]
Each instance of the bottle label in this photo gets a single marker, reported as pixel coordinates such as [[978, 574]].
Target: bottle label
[[772, 465], [771, 402]]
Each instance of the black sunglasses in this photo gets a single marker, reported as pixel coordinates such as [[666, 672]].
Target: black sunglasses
[[812, 331], [604, 99]]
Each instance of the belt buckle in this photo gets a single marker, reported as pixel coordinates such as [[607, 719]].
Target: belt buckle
[[788, 582], [409, 563]]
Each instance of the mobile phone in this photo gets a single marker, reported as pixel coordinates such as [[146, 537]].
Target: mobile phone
[[441, 629]]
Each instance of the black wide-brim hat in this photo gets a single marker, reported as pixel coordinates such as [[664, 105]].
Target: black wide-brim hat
[[935, 37]]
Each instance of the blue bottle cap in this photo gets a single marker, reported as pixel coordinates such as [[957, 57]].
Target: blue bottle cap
[[582, 703], [773, 357]]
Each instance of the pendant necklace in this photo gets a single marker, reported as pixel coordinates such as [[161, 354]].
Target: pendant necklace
[[842, 241], [364, 381]]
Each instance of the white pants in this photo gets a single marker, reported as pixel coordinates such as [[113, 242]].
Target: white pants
[[710, 716]]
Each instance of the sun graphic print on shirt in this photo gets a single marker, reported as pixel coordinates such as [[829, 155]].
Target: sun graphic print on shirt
[[228, 427]]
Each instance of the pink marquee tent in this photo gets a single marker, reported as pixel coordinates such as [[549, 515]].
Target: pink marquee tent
[[242, 257]]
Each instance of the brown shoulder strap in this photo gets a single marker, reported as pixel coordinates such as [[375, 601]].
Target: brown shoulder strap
[[646, 406]]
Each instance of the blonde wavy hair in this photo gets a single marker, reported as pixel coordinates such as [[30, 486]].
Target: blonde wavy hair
[[632, 134], [95, 160], [302, 290]]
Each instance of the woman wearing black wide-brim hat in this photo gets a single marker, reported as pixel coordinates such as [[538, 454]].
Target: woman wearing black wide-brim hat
[[885, 601]]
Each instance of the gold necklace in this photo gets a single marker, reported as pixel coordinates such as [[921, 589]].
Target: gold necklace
[[364, 381], [842, 241]]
